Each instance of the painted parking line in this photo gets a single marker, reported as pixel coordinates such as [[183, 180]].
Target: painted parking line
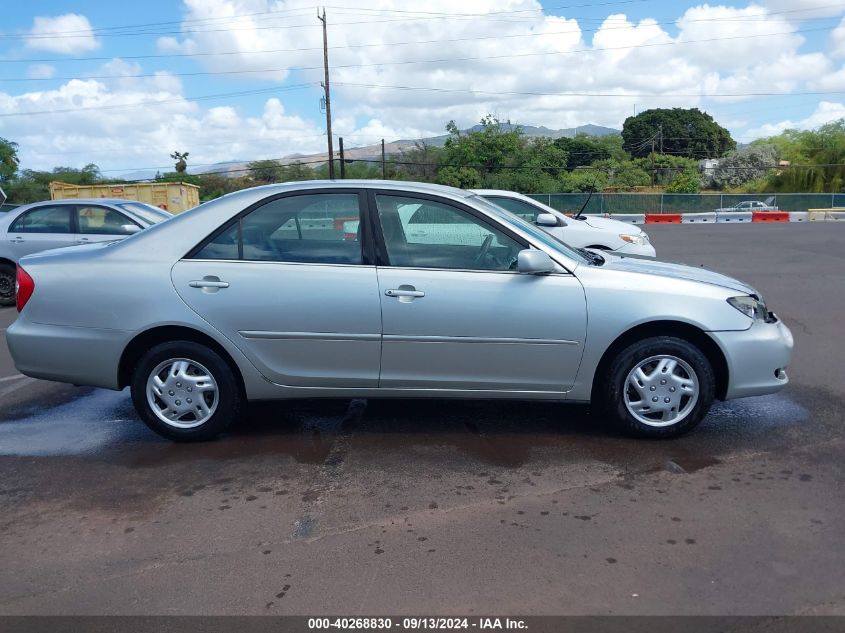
[[14, 377]]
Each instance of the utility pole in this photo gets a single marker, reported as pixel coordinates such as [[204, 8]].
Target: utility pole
[[383, 167], [652, 162], [660, 131], [342, 159], [328, 92]]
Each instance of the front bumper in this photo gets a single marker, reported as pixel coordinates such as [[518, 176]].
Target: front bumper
[[78, 355], [757, 358]]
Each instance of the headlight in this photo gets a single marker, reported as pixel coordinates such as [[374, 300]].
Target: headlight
[[751, 307], [639, 240]]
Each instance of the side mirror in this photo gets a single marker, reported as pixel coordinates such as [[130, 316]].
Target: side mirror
[[546, 219], [131, 229], [533, 262]]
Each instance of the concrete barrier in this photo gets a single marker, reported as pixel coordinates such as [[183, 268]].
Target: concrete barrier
[[798, 216], [631, 218], [817, 215], [662, 218], [836, 215], [696, 218], [770, 216], [733, 216]]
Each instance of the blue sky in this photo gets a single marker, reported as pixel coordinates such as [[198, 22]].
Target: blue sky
[[76, 85]]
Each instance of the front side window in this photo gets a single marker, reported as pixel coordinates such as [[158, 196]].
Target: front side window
[[55, 219], [146, 212], [96, 220], [312, 228], [426, 234], [521, 208]]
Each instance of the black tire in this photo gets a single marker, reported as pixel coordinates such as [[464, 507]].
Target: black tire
[[611, 393], [7, 285], [229, 396]]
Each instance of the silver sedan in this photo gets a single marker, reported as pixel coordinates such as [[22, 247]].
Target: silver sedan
[[380, 289], [40, 226]]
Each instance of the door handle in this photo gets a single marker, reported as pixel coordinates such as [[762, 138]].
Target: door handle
[[405, 293], [18, 239], [209, 283], [398, 292]]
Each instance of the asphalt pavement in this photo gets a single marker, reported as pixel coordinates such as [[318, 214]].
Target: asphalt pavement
[[437, 507]]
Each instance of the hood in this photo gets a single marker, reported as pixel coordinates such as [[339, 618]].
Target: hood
[[606, 224], [676, 271]]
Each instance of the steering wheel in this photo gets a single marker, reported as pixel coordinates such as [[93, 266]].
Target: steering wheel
[[485, 248]]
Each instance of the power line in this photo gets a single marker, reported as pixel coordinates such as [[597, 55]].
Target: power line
[[143, 104], [421, 61], [382, 44], [296, 26], [589, 94], [308, 9]]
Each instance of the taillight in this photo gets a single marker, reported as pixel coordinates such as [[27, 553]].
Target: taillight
[[24, 288]]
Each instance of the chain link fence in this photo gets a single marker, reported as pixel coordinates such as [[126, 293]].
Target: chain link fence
[[685, 202]]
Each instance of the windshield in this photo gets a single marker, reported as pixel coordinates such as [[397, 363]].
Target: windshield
[[146, 212], [537, 234]]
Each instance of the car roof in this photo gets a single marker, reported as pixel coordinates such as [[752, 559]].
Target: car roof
[[403, 185], [497, 192]]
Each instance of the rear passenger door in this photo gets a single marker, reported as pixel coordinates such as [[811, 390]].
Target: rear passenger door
[[96, 223], [40, 229], [292, 282]]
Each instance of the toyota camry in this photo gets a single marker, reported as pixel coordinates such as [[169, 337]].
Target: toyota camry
[[365, 289]]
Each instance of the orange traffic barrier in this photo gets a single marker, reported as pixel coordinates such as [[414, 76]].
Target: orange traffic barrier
[[770, 216], [662, 218]]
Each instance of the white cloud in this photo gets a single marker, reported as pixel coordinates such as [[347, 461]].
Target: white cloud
[[508, 62], [94, 124], [837, 40], [67, 34], [826, 112], [744, 50], [41, 71]]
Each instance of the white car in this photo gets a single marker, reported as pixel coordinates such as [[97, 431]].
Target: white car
[[587, 231]]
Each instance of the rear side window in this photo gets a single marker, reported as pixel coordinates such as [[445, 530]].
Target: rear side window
[[54, 219], [313, 228]]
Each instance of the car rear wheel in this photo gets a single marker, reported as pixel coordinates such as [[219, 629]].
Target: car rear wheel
[[658, 387], [185, 391], [7, 285]]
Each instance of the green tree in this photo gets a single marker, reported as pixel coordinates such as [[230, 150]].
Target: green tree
[[816, 159], [686, 181], [265, 171], [8, 159], [487, 150], [181, 159], [743, 166], [463, 177], [685, 132], [582, 150]]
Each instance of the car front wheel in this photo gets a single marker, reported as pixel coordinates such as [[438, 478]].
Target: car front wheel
[[7, 285], [658, 387], [185, 391]]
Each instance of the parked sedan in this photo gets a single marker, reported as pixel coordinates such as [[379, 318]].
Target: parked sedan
[[263, 295], [53, 224], [586, 231]]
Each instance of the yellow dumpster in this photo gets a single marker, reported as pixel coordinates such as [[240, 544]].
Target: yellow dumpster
[[171, 196]]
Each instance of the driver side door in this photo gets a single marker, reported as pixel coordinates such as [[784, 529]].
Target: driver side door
[[455, 312]]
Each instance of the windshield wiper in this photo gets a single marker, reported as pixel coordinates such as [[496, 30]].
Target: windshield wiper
[[595, 258]]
